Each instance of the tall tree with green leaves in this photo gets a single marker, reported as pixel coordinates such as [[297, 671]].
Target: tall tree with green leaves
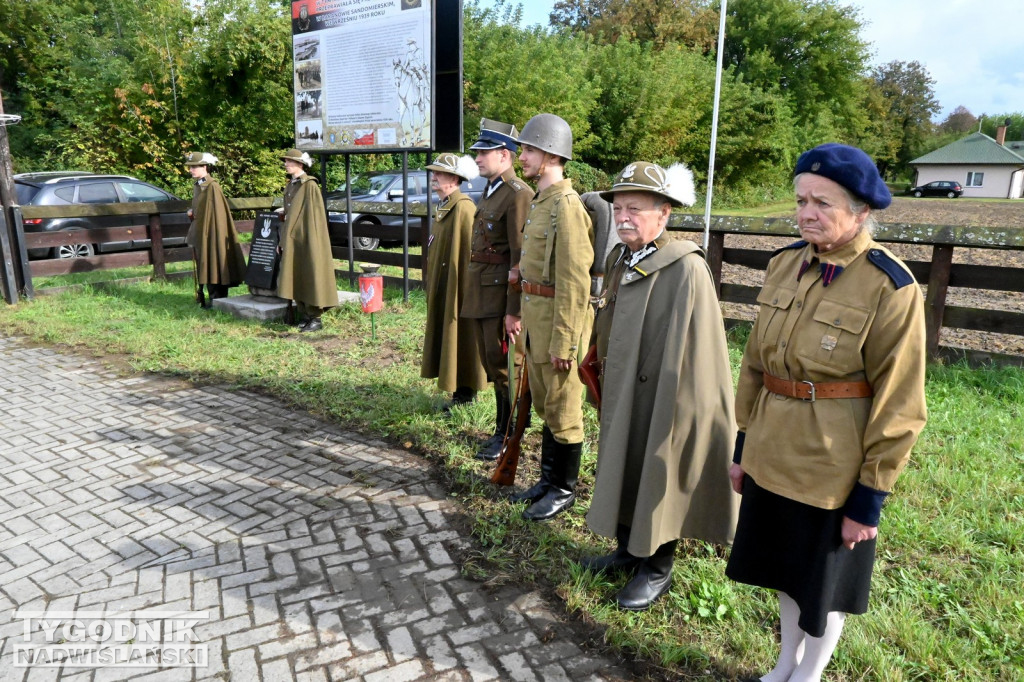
[[693, 23], [910, 104], [810, 51]]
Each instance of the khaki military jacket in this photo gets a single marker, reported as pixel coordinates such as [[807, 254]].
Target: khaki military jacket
[[866, 324], [667, 422], [497, 232], [557, 251], [307, 266], [213, 238], [450, 352]]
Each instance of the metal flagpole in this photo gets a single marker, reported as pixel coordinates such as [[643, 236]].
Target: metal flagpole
[[714, 124]]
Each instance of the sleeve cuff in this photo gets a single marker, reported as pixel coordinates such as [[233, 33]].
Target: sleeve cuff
[[737, 451], [865, 504]]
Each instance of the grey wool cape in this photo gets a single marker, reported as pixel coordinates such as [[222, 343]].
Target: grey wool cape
[[667, 424], [307, 266], [450, 353]]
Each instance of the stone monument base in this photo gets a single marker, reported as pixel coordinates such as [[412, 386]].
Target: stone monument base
[[267, 308]]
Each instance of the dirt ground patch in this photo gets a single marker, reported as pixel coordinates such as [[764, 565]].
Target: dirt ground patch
[[965, 212]]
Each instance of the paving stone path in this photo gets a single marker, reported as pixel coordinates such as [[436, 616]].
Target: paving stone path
[[318, 554]]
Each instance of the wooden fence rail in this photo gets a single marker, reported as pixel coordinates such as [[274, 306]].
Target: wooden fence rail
[[937, 274]]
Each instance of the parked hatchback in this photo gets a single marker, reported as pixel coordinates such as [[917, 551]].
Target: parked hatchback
[[77, 187], [385, 187], [938, 188]]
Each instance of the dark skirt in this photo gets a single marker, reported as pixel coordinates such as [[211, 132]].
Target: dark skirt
[[795, 548]]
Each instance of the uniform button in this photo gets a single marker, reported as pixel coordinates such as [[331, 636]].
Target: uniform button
[[643, 377], [837, 322], [799, 305], [533, 205], [528, 222], [782, 345], [775, 301]]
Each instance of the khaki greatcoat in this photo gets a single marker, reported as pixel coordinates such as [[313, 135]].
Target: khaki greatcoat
[[667, 422], [213, 238], [307, 267], [449, 351]]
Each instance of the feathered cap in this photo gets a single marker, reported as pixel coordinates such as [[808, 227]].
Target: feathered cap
[[462, 166], [201, 159], [675, 184], [297, 156]]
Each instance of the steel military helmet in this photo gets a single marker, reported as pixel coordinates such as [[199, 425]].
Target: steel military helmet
[[201, 159], [549, 133], [674, 184]]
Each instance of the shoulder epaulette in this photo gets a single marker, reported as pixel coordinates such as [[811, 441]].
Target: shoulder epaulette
[[891, 267], [795, 245], [518, 185]]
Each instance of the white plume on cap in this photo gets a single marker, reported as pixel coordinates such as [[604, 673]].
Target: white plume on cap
[[679, 184], [306, 159], [209, 159], [466, 168]]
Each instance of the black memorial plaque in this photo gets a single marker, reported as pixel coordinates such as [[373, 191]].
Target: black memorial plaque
[[263, 256]]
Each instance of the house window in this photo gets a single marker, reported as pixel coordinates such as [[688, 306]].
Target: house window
[[975, 179]]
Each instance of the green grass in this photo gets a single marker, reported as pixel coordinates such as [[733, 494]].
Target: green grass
[[947, 602]]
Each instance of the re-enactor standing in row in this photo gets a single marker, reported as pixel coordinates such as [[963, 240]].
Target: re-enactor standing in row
[[829, 404]]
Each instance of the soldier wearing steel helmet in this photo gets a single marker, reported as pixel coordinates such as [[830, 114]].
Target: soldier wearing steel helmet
[[489, 304], [557, 316]]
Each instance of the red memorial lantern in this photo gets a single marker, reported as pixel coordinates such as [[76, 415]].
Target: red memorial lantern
[[371, 294]]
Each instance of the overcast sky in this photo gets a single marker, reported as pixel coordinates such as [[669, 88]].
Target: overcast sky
[[973, 49]]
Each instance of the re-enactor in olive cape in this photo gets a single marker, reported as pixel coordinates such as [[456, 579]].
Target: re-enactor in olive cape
[[307, 267], [220, 263]]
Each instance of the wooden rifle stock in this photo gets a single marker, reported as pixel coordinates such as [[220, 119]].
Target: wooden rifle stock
[[508, 458]]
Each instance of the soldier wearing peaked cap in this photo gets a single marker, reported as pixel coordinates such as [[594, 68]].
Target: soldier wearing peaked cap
[[220, 263], [449, 351], [666, 409], [490, 304], [307, 266], [554, 270], [829, 404]]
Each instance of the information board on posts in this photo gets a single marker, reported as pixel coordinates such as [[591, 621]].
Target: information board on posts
[[362, 74]]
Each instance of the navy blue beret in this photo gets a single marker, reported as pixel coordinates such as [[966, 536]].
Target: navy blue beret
[[851, 168]]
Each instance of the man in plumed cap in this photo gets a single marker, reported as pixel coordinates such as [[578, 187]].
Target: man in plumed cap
[[489, 302], [666, 409]]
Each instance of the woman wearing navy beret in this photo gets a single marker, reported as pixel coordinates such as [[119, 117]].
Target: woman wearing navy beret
[[829, 404]]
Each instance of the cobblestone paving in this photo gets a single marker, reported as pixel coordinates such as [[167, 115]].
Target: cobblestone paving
[[319, 554]]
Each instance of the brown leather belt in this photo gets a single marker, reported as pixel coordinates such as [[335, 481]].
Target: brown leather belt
[[810, 391], [490, 257], [538, 289]]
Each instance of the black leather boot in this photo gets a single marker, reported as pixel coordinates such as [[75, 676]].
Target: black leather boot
[[619, 561], [561, 494], [652, 579], [491, 447], [460, 396], [547, 461]]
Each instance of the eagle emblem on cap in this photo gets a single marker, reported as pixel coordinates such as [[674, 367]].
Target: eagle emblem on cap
[[628, 171], [815, 166]]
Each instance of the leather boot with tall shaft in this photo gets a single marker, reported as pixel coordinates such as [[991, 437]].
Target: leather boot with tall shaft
[[561, 494], [491, 447], [618, 561], [652, 579], [547, 461]]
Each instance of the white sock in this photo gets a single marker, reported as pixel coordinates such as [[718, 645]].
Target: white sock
[[818, 650], [792, 646]]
